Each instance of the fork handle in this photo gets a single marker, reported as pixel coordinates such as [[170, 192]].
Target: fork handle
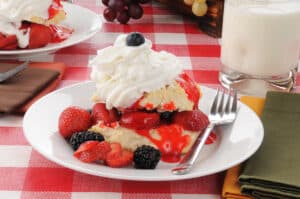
[[191, 156]]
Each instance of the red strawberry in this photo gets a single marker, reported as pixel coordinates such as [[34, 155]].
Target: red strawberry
[[11, 47], [139, 120], [211, 138], [73, 119], [116, 149], [194, 120], [60, 33], [91, 151], [54, 8], [118, 157], [8, 42], [99, 112], [40, 35], [103, 148], [25, 25], [87, 151]]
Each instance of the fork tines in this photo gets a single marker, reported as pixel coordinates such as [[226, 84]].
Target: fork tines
[[218, 104]]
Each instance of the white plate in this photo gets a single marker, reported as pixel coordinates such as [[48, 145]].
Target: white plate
[[84, 22], [235, 143]]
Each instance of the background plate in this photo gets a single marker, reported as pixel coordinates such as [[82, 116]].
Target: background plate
[[234, 143], [84, 22]]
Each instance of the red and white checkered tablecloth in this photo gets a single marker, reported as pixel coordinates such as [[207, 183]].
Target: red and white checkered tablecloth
[[26, 174]]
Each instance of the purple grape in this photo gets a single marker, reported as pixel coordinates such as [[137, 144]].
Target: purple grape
[[105, 2], [135, 11], [109, 14], [123, 16], [117, 5], [144, 1], [127, 2]]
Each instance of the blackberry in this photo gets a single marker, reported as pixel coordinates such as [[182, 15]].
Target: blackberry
[[146, 157], [166, 116], [135, 39], [78, 138]]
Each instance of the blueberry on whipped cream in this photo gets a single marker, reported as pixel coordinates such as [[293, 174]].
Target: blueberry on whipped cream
[[135, 39]]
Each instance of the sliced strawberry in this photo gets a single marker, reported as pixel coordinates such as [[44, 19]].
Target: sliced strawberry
[[103, 148], [60, 33], [118, 157], [194, 120], [25, 25], [73, 119], [40, 35], [91, 151], [140, 120], [99, 112], [116, 149], [123, 160], [8, 42], [211, 138], [11, 47], [87, 151], [54, 8]]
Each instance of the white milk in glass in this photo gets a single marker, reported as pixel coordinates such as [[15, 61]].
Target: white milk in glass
[[260, 40]]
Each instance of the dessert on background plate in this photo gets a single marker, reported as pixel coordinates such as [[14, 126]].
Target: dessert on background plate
[[146, 108], [31, 24], [207, 13]]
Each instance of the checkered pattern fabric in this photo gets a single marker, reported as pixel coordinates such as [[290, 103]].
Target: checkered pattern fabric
[[28, 175], [25, 174]]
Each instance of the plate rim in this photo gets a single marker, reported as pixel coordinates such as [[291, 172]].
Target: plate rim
[[54, 47], [190, 175]]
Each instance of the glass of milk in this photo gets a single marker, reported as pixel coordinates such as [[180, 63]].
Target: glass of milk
[[260, 45]]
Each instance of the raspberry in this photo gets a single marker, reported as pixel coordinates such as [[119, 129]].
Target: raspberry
[[78, 138], [146, 157]]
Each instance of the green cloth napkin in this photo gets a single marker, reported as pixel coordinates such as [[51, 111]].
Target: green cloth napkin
[[274, 170]]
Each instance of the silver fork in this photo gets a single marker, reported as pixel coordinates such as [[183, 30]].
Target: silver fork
[[220, 113], [12, 72]]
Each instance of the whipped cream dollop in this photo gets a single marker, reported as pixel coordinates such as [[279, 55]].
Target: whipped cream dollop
[[13, 12], [124, 73]]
